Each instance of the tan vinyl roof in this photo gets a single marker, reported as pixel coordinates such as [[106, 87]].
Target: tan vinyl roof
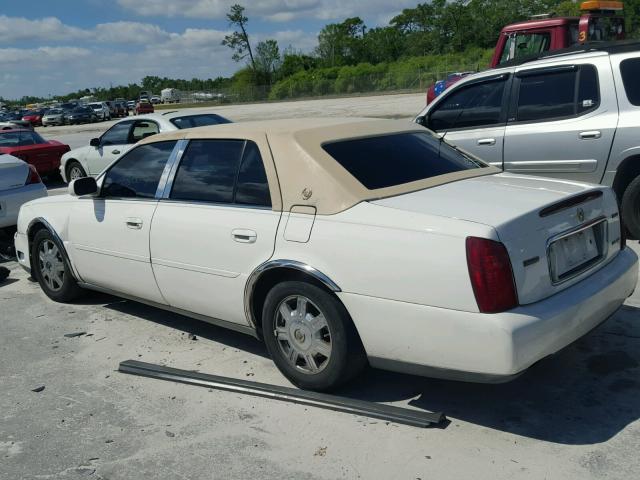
[[302, 167]]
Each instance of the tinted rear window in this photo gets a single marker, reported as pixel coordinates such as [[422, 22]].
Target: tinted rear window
[[386, 161], [630, 70], [192, 121]]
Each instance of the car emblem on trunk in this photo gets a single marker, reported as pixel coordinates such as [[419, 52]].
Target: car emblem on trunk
[[580, 215], [306, 193]]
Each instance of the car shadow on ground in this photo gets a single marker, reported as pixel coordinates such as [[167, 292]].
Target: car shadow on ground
[[201, 329], [585, 394]]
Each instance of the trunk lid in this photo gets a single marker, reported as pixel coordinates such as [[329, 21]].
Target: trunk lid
[[545, 224], [13, 172]]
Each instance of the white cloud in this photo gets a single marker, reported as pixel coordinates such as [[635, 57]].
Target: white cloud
[[40, 58], [271, 10], [129, 32], [15, 29]]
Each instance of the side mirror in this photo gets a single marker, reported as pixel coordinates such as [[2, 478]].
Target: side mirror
[[83, 186], [421, 120], [94, 142]]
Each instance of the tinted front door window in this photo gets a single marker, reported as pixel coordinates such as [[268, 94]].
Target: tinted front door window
[[137, 174], [476, 105], [117, 135]]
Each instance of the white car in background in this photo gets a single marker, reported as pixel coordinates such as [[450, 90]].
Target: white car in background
[[101, 109], [341, 241], [102, 151], [19, 184]]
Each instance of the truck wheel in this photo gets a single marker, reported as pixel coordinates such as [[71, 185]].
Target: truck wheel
[[311, 337], [631, 209]]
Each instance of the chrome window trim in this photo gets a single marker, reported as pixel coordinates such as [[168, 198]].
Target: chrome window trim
[[598, 260], [274, 264], [170, 167]]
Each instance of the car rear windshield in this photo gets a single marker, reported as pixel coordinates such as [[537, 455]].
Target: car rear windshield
[[191, 121], [630, 70], [390, 160]]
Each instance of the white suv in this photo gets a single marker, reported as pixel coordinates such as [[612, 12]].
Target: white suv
[[102, 151]]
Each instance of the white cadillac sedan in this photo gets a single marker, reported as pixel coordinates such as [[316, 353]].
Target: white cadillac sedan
[[19, 184], [341, 242]]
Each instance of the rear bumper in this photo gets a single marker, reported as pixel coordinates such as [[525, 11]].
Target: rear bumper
[[12, 200], [470, 346]]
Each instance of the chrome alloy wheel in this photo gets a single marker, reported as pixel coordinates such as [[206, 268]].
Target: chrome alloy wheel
[[51, 265], [302, 334], [75, 172]]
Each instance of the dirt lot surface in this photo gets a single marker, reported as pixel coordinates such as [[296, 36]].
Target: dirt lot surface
[[573, 416]]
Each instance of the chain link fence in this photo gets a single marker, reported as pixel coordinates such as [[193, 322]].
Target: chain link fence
[[310, 86]]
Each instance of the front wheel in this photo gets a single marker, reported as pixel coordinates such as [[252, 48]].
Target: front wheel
[[51, 270], [631, 208], [311, 337], [75, 170]]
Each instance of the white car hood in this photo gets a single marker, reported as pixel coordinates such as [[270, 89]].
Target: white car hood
[[13, 172], [490, 200]]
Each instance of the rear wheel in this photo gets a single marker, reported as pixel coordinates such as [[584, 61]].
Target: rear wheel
[[631, 208], [75, 170], [311, 337], [50, 268]]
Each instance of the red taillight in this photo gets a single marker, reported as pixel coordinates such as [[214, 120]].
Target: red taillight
[[491, 275], [33, 176]]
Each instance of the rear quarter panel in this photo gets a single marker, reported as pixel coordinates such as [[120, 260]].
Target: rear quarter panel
[[387, 253]]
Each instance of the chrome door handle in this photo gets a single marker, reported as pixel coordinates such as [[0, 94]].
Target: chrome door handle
[[244, 236], [134, 223], [592, 134], [487, 141], [115, 152]]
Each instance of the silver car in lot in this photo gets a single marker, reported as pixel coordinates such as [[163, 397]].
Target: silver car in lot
[[573, 115], [19, 183], [54, 116], [101, 109]]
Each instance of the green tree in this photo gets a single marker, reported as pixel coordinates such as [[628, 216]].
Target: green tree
[[238, 41], [267, 60]]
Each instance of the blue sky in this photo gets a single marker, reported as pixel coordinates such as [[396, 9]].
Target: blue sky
[[50, 47]]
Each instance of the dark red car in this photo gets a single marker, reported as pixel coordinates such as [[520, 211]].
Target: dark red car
[[144, 107], [33, 149], [34, 117]]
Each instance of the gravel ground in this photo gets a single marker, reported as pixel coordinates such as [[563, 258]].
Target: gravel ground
[[572, 416]]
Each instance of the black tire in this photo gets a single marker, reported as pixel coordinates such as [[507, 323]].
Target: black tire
[[62, 288], [631, 208], [74, 165], [346, 354]]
